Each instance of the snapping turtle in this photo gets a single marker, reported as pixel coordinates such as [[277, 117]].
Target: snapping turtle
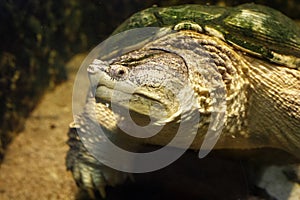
[[229, 75]]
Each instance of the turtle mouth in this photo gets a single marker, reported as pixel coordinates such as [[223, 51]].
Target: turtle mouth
[[138, 103], [105, 93]]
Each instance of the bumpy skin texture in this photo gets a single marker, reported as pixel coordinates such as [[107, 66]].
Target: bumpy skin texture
[[259, 73], [88, 172]]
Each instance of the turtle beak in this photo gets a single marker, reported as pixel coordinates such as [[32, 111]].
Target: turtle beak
[[95, 70], [93, 83]]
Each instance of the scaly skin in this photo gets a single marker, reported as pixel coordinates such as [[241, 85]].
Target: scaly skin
[[263, 100], [247, 56]]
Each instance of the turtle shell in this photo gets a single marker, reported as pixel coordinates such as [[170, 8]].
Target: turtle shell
[[255, 29]]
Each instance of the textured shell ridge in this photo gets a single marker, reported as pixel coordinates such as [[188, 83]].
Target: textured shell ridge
[[255, 29]]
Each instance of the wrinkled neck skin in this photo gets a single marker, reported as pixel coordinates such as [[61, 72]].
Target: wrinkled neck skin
[[255, 104], [274, 105]]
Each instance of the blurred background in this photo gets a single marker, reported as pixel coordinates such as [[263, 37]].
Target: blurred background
[[38, 40]]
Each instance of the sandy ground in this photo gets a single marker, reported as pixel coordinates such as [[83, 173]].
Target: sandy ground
[[34, 165]]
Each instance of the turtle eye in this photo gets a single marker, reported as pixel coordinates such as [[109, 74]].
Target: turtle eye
[[118, 72]]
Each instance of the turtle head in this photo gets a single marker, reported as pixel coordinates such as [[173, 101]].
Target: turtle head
[[148, 83]]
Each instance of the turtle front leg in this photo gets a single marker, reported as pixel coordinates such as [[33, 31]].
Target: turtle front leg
[[90, 174]]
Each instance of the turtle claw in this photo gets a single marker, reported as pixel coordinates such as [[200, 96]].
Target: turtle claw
[[102, 192], [89, 173], [91, 193], [93, 177]]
